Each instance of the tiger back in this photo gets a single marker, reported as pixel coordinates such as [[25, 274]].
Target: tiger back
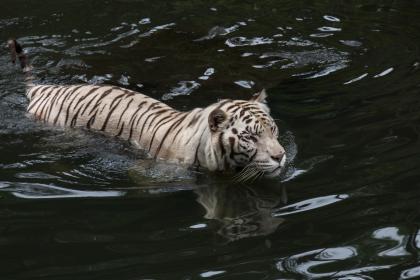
[[109, 109]]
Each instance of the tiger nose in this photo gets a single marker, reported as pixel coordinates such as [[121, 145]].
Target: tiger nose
[[278, 157]]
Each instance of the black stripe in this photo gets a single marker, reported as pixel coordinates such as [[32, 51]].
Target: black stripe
[[62, 93], [223, 103], [45, 95], [56, 96], [195, 118], [34, 91], [177, 133], [230, 107], [121, 130], [145, 121], [40, 97], [99, 101], [122, 114], [240, 154], [90, 102], [173, 126], [158, 125], [67, 95], [232, 145], [133, 117], [222, 148], [138, 120], [196, 159], [236, 109], [85, 96], [74, 119], [246, 117], [253, 156], [192, 137], [110, 113], [42, 105], [76, 97], [187, 114], [129, 93], [116, 98], [156, 115], [91, 120]]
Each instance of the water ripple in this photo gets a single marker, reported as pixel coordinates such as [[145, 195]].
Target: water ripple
[[42, 191], [331, 18], [243, 41], [411, 273], [364, 75], [211, 273], [384, 73], [218, 31], [183, 88], [309, 204], [245, 84]]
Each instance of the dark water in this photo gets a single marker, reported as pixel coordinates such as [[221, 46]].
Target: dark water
[[344, 82]]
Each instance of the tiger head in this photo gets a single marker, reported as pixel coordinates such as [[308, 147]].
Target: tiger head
[[246, 137]]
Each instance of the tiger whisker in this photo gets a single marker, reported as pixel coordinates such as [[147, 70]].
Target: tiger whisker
[[242, 174], [247, 173], [250, 175], [241, 177], [258, 175]]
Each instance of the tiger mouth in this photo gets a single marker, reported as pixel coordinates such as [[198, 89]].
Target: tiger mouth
[[274, 173], [277, 170]]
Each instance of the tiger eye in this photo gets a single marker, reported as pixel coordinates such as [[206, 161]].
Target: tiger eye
[[235, 131]]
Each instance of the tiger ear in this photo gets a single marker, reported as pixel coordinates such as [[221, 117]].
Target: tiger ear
[[260, 96], [216, 119]]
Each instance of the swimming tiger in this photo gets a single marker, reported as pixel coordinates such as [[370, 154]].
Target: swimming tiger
[[229, 134]]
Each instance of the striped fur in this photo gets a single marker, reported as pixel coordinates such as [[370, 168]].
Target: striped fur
[[225, 135]]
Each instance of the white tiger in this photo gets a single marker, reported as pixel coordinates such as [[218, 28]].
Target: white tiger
[[229, 134]]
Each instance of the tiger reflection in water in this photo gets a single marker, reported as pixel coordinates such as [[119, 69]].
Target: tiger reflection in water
[[242, 212]]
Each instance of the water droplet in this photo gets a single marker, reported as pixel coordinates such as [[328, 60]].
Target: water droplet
[[183, 88], [242, 41]]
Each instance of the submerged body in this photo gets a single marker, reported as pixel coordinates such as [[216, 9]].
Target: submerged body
[[224, 135]]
